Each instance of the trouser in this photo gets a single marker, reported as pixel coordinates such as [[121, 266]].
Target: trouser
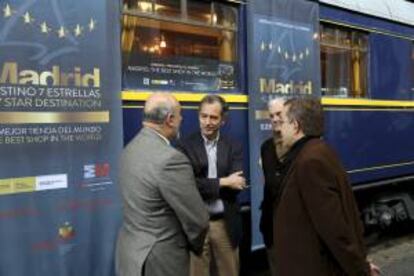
[[218, 256], [270, 251]]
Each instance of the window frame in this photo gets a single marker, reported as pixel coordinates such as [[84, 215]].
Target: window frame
[[366, 50], [233, 26]]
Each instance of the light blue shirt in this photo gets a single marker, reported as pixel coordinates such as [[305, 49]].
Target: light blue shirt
[[214, 206]]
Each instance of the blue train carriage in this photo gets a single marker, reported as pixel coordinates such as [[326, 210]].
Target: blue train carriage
[[191, 48], [367, 73]]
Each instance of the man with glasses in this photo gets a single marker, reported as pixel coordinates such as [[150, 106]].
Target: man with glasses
[[316, 225]]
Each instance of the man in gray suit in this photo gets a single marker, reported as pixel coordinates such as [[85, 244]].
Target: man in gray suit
[[164, 215]]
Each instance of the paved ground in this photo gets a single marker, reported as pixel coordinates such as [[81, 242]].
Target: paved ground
[[396, 257], [394, 254]]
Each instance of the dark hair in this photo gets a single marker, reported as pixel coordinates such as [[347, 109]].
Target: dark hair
[[159, 113], [210, 99], [308, 112]]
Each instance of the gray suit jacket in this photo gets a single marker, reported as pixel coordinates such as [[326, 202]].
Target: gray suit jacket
[[164, 215]]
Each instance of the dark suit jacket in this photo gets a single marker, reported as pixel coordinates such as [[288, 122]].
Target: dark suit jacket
[[229, 160], [270, 163], [317, 230]]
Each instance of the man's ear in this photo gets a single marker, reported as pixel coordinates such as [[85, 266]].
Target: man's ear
[[169, 119], [297, 126]]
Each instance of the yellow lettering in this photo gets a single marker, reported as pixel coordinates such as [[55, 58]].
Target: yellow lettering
[[28, 76], [267, 86], [95, 78], [9, 73]]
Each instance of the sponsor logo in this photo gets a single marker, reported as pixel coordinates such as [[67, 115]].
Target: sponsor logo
[[96, 176], [63, 242], [51, 182], [66, 231], [91, 171], [33, 183]]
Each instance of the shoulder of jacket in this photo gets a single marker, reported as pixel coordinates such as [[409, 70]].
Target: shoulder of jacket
[[230, 141], [191, 138], [316, 150], [267, 143]]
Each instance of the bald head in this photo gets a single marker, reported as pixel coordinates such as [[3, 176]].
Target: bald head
[[276, 103], [162, 112], [158, 106]]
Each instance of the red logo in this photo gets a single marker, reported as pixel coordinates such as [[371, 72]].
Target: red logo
[[95, 170]]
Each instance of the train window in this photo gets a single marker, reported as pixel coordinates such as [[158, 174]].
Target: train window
[[200, 11], [161, 7], [412, 69], [344, 62], [168, 7], [180, 45]]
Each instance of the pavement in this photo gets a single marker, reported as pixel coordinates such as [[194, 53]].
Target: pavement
[[395, 257]]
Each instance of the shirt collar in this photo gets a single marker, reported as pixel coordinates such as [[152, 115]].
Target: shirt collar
[[211, 142]]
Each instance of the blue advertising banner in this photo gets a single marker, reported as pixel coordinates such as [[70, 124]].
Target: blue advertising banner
[[283, 61], [60, 136]]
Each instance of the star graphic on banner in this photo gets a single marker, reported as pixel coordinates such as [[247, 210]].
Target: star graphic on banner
[[262, 46], [44, 28], [92, 25], [28, 18], [7, 11], [78, 30], [61, 32]]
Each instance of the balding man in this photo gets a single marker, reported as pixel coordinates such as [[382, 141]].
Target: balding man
[[164, 215]]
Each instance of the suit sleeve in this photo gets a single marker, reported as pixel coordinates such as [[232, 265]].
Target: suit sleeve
[[264, 160], [209, 189], [236, 157], [322, 199], [179, 190], [235, 163]]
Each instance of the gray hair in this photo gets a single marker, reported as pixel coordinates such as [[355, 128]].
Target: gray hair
[[158, 113], [275, 100], [308, 112]]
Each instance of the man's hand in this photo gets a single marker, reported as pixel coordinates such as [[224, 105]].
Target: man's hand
[[234, 181], [375, 270]]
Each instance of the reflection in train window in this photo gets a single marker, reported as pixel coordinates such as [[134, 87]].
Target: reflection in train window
[[180, 45], [344, 62]]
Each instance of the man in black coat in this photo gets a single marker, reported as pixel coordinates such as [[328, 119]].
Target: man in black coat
[[217, 163], [273, 173]]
